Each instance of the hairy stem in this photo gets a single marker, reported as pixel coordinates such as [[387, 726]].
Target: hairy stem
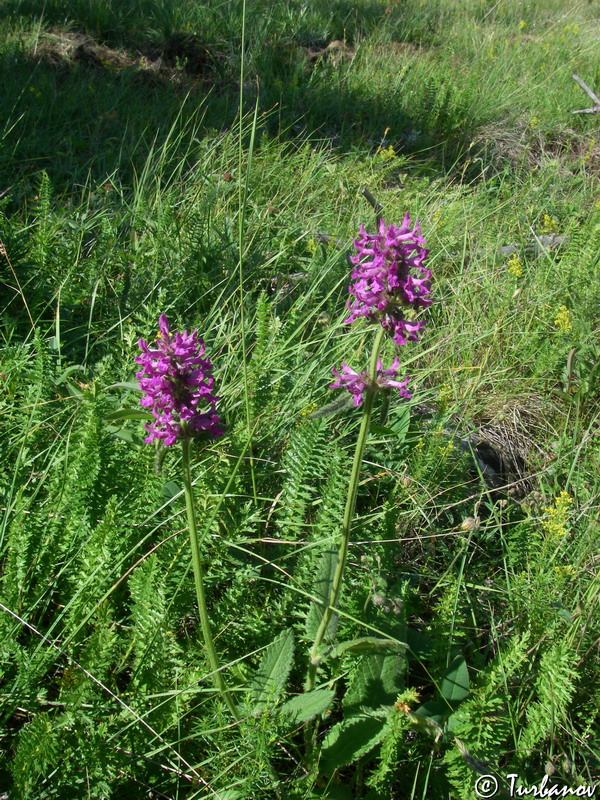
[[199, 583], [334, 594]]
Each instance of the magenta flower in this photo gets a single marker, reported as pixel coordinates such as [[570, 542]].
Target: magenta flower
[[384, 286], [178, 384], [357, 382]]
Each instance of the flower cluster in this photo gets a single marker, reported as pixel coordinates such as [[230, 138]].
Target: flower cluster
[[384, 286], [358, 382], [514, 265], [555, 522], [563, 320], [175, 379]]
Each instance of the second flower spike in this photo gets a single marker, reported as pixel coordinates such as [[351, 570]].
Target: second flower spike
[[390, 277]]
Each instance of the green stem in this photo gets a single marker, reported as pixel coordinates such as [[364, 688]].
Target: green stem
[[199, 582], [334, 594]]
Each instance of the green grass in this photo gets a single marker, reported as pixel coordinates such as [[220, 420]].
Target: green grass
[[124, 184]]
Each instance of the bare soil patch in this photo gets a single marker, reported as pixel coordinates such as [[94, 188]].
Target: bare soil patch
[[180, 56]]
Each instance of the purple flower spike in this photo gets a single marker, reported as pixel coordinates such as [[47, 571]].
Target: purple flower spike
[[358, 382], [175, 379], [384, 285]]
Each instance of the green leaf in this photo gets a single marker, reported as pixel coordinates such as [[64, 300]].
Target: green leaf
[[400, 423], [420, 645], [269, 680], [368, 644], [376, 681], [382, 430], [350, 739], [128, 413], [63, 377], [428, 718], [126, 385], [455, 683], [308, 705], [321, 590], [123, 433], [562, 611], [435, 710], [171, 489]]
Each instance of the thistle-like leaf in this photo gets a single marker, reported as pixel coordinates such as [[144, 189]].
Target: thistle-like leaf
[[269, 680]]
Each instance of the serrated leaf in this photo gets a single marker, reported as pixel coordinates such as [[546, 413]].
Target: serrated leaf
[[269, 680], [376, 681], [368, 644], [309, 705], [350, 739], [321, 591], [455, 684], [128, 413]]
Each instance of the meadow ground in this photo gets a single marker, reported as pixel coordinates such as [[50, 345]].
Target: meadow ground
[[209, 162]]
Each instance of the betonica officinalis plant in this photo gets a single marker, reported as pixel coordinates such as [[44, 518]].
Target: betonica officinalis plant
[[390, 284], [178, 384]]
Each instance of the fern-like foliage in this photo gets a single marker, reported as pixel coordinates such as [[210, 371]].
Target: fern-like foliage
[[481, 727], [303, 468], [555, 688], [43, 230], [37, 751], [155, 650]]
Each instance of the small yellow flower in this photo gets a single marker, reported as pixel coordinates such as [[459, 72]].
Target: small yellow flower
[[534, 123], [311, 245], [387, 154], [566, 570], [555, 522], [549, 224], [589, 150], [522, 25], [309, 409], [515, 266], [445, 394], [563, 320]]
